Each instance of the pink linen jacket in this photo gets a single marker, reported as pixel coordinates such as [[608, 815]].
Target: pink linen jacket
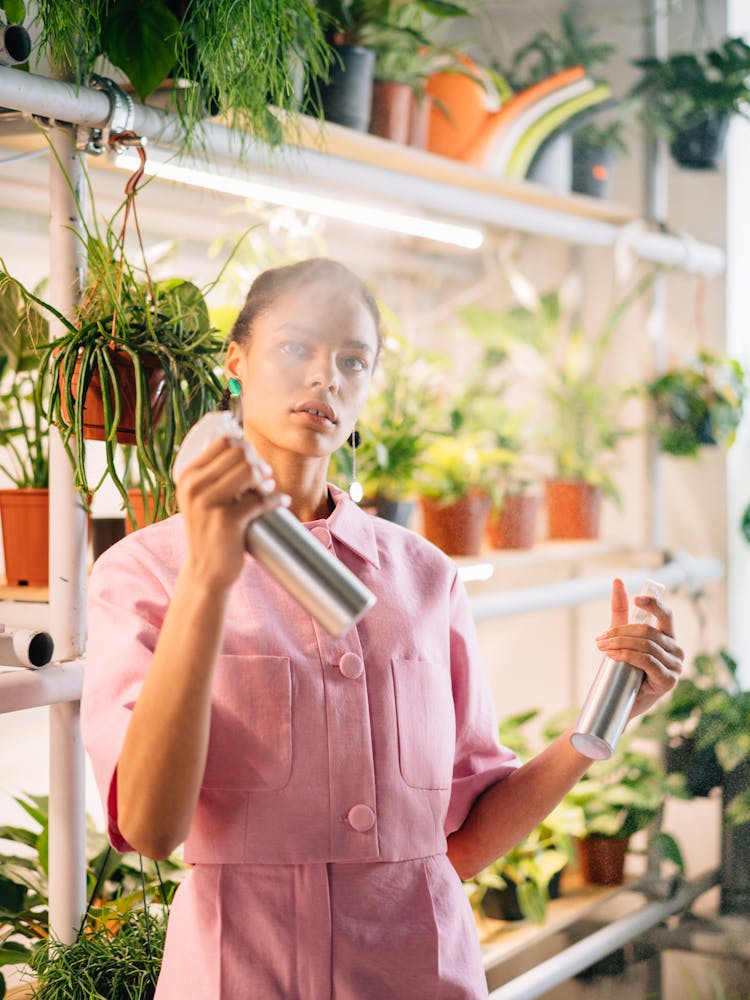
[[369, 747]]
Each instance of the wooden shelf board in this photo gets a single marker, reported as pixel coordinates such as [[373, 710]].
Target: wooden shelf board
[[501, 940]]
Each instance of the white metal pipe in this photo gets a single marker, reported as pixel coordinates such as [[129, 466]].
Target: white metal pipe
[[67, 822], [590, 949], [67, 518], [51, 98], [22, 689], [568, 593], [67, 563]]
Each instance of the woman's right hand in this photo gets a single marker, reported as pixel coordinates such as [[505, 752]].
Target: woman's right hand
[[226, 486]]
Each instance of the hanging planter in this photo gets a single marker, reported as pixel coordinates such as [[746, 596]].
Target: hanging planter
[[132, 345], [702, 146], [127, 376]]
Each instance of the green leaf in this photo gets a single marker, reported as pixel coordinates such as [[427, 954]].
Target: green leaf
[[668, 849], [15, 11], [139, 37], [532, 902]]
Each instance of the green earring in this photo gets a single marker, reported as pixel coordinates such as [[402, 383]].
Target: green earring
[[235, 386]]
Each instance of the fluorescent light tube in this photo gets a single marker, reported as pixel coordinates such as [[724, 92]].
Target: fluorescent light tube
[[467, 237]]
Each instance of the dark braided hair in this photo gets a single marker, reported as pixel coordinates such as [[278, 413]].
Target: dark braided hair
[[270, 285]]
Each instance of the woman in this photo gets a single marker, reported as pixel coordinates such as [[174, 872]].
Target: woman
[[330, 792]]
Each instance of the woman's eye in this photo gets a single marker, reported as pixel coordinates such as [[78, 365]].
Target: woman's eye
[[294, 347], [354, 364]]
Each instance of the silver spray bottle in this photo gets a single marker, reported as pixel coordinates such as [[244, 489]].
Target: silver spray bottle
[[609, 701]]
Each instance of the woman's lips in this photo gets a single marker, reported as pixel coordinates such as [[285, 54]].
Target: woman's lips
[[318, 415]]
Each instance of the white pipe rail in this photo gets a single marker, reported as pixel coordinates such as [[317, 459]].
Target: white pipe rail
[[568, 593], [593, 947], [39, 95]]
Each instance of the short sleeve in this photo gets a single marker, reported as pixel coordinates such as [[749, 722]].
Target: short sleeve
[[126, 607], [480, 760]]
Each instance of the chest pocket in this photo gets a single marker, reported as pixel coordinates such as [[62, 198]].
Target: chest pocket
[[250, 741], [426, 723]]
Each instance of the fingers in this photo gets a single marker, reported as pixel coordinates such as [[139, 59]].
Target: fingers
[[645, 647], [619, 603], [223, 473], [660, 611]]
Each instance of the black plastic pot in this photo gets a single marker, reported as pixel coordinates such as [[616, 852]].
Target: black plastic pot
[[346, 98], [701, 768], [398, 511], [592, 168], [702, 146], [502, 904]]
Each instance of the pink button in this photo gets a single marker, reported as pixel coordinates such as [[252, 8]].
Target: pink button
[[351, 665], [323, 535], [361, 818]]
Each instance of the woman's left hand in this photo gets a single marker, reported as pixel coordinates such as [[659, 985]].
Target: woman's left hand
[[651, 648]]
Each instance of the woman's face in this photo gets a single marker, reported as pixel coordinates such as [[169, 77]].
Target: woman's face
[[306, 370]]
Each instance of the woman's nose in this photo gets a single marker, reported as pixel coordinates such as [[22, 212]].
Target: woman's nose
[[323, 373]]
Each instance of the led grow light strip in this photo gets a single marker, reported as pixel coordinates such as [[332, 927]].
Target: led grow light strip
[[357, 212]]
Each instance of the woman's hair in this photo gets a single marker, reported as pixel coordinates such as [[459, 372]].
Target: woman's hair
[[270, 285]]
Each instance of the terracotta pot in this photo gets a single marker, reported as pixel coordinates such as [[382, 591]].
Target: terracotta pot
[[392, 105], [602, 859], [572, 508], [419, 129], [93, 412], [456, 528], [25, 522], [139, 511], [514, 525]]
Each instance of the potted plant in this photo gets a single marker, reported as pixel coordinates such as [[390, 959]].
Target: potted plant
[[133, 344], [595, 147], [393, 430], [519, 885], [357, 30], [619, 797], [697, 404], [454, 481], [582, 424], [405, 57], [482, 408], [114, 948], [689, 98], [236, 59], [24, 439]]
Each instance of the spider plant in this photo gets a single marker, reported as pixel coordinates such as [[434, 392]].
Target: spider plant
[[124, 318]]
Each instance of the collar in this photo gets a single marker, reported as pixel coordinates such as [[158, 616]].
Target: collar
[[351, 526]]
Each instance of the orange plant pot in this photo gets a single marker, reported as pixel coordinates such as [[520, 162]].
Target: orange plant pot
[[456, 528], [25, 523], [139, 511], [572, 508], [514, 526], [602, 859], [93, 410]]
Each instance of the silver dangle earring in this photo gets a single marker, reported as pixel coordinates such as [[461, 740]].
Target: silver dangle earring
[[355, 488]]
